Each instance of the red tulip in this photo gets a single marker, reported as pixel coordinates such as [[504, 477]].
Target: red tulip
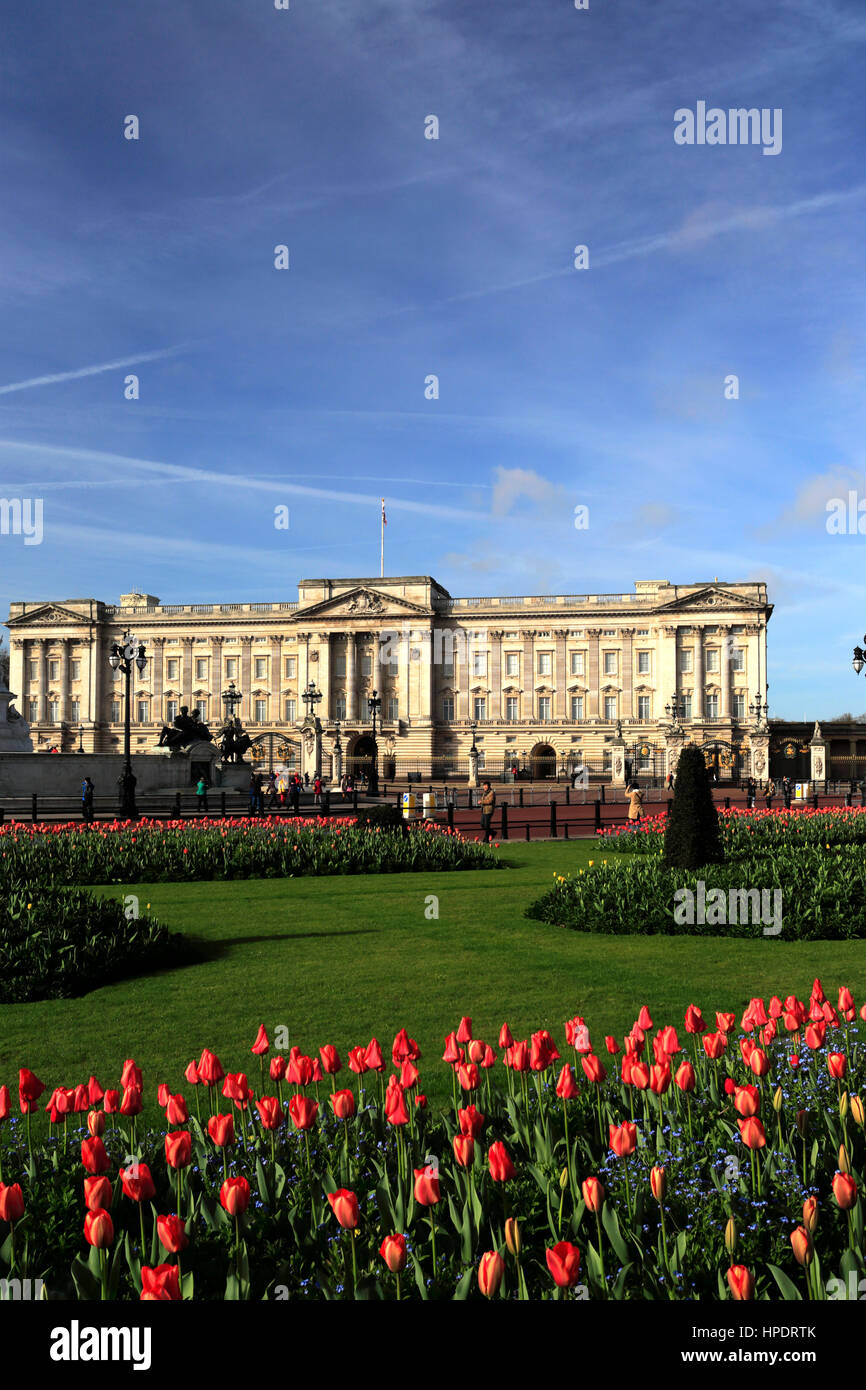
[[694, 1020], [464, 1032], [176, 1112], [468, 1076], [471, 1121], [209, 1068], [726, 1022], [96, 1123], [358, 1060], [261, 1044], [94, 1091], [344, 1205], [172, 1234], [395, 1104], [192, 1075], [5, 1102], [845, 1191], [427, 1186], [490, 1272], [277, 1067], [137, 1182], [237, 1088], [163, 1094], [408, 1074], [801, 1244], [714, 1044], [685, 1076], [270, 1112], [623, 1138], [30, 1088], [235, 1195], [131, 1104], [759, 1062], [612, 1045], [452, 1051], [752, 1133], [464, 1149], [593, 1069], [593, 1194], [221, 1129], [658, 1182], [644, 1021], [98, 1228], [111, 1102], [97, 1193], [331, 1063], [375, 1060], [517, 1057], [639, 1075], [131, 1074], [160, 1285], [837, 1065], [660, 1078], [11, 1202], [303, 1112], [815, 1034], [94, 1156], [343, 1104], [741, 1283], [178, 1148], [563, 1261], [501, 1167], [505, 1038], [747, 1100], [566, 1087], [393, 1252]]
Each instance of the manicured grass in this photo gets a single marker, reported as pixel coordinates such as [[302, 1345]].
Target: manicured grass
[[339, 960]]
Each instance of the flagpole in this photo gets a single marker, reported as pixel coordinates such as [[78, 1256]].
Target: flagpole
[[382, 547]]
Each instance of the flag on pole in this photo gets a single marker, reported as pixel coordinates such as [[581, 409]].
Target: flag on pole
[[382, 544], [384, 518]]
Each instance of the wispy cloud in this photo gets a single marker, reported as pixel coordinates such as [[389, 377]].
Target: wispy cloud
[[96, 370]]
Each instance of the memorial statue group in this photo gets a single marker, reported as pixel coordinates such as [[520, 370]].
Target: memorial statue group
[[188, 728]]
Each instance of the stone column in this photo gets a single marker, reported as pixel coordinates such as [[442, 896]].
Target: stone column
[[323, 674], [673, 747], [186, 672], [157, 644], [592, 675], [628, 705], [351, 679], [245, 681], [64, 679], [617, 758], [726, 662], [698, 664], [560, 678], [528, 681], [43, 666], [496, 675], [403, 692], [817, 757]]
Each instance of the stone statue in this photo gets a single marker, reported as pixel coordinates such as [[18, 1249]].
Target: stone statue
[[234, 742], [186, 729], [14, 730]]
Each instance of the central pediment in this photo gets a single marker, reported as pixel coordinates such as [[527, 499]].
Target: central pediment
[[709, 598], [51, 614], [363, 602]]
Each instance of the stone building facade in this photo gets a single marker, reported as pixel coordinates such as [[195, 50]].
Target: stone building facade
[[546, 682]]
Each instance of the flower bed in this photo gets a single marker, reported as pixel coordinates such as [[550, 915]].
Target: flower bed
[[728, 1165], [168, 851], [754, 832]]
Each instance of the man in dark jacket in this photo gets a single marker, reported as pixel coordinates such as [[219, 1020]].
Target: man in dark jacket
[[488, 802]]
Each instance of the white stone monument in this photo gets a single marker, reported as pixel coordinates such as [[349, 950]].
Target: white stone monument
[[14, 730]]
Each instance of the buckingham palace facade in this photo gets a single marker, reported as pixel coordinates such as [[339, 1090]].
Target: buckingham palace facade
[[546, 682]]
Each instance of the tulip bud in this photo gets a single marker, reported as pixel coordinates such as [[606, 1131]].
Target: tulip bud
[[658, 1183], [857, 1111], [512, 1236], [844, 1164], [563, 1179], [801, 1243], [802, 1123], [843, 1105], [96, 1123], [731, 1236], [778, 1099], [810, 1214]]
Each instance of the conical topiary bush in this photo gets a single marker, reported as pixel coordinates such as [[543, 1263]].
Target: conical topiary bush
[[692, 836]]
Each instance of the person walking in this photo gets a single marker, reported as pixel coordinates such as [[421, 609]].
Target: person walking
[[317, 788], [201, 793], [295, 795], [272, 789], [253, 792], [87, 790], [634, 796], [670, 782], [488, 802]]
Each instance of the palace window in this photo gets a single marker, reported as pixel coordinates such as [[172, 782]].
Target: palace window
[[393, 707], [339, 664], [339, 707], [643, 706], [261, 671], [201, 668], [480, 706], [448, 708], [33, 708], [261, 711], [115, 711], [544, 708], [74, 711], [75, 670], [739, 707], [712, 706], [291, 664], [33, 670], [544, 663], [172, 667], [479, 663], [170, 711], [366, 664], [231, 668], [686, 698], [291, 705], [577, 706], [512, 663], [512, 707], [738, 659], [201, 706], [610, 707], [685, 662], [577, 663], [712, 658], [609, 632], [610, 663], [53, 670], [643, 663], [143, 708]]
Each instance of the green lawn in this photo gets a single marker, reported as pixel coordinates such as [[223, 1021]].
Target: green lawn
[[338, 960]]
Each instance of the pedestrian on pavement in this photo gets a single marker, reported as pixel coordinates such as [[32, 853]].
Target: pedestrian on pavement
[[488, 802], [634, 796], [201, 793], [87, 790]]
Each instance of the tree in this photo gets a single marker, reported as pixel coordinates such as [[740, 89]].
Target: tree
[[692, 836], [4, 666]]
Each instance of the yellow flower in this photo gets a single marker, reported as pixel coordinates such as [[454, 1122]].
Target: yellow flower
[[591, 862], [29, 905]]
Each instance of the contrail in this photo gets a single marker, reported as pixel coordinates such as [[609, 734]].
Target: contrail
[[88, 371]]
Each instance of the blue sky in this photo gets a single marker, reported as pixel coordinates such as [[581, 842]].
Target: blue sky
[[454, 257]]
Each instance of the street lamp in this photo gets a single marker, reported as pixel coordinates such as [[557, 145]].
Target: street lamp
[[473, 726], [231, 698], [80, 738], [859, 658], [374, 704], [124, 655], [758, 709], [311, 697], [675, 710]]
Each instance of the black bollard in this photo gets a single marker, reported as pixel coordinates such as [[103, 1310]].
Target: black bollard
[[503, 830]]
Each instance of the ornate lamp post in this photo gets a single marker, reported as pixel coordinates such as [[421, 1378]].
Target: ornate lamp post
[[81, 738], [859, 658], [759, 709], [337, 756], [123, 657], [311, 697], [231, 698], [675, 710], [374, 704]]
